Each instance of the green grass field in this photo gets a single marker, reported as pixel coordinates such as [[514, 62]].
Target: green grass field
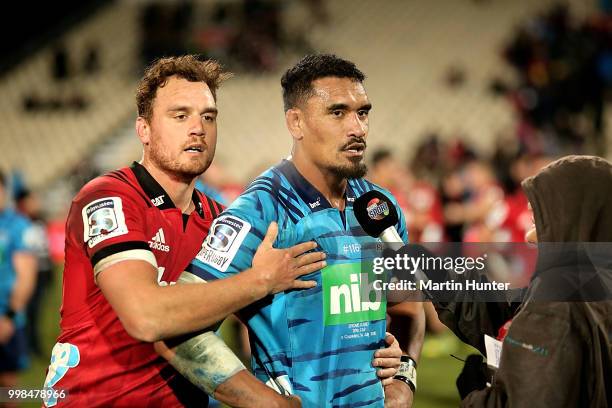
[[436, 374]]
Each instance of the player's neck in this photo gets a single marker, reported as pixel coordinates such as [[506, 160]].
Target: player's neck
[[180, 191], [330, 185]]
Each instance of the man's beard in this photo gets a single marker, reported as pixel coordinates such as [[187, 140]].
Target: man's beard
[[353, 170], [183, 171]]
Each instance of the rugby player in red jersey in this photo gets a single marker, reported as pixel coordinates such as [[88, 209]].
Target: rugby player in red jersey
[[129, 235]]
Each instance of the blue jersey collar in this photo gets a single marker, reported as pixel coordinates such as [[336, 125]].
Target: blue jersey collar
[[309, 193]]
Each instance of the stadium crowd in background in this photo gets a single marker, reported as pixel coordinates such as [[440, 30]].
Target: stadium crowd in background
[[564, 67], [247, 35]]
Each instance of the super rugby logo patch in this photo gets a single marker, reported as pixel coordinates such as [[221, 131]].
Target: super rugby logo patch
[[103, 219], [223, 241]]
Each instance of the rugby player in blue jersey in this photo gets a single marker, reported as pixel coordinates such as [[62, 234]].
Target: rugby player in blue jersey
[[316, 343], [17, 281]]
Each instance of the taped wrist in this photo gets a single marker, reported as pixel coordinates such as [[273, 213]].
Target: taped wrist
[[407, 372], [206, 361]]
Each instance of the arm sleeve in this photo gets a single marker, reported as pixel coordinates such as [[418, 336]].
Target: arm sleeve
[[469, 318], [541, 365], [24, 236]]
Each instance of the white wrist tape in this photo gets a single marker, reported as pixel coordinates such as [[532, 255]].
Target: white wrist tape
[[206, 361]]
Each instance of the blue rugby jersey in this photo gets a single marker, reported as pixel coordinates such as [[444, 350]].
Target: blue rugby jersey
[[16, 235], [316, 343]]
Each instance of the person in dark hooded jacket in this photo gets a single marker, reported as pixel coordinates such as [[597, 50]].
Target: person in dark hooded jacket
[[557, 350]]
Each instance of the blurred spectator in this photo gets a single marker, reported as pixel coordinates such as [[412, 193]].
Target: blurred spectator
[[481, 210], [471, 195], [91, 61], [246, 35], [220, 184], [518, 218], [218, 32], [471, 198], [455, 76], [259, 38], [426, 164], [33, 102], [165, 29], [563, 79], [83, 172], [318, 11], [210, 192], [453, 193], [506, 150], [418, 199], [17, 281], [60, 65], [56, 233], [388, 173], [29, 205]]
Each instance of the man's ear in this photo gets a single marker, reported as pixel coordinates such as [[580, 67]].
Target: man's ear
[[143, 130], [294, 118]]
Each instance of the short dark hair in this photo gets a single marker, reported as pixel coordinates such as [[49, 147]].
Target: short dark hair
[[381, 155], [188, 67], [22, 194], [297, 80]]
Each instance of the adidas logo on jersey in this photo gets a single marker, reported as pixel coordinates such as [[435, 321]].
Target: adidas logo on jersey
[[159, 242]]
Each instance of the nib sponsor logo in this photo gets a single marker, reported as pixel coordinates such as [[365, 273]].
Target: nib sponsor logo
[[159, 242], [349, 296]]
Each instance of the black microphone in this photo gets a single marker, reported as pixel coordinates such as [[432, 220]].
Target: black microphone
[[377, 216]]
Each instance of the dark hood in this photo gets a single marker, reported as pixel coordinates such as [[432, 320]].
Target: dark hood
[[572, 200], [572, 205]]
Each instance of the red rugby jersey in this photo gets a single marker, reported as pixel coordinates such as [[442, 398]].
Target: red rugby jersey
[[124, 214]]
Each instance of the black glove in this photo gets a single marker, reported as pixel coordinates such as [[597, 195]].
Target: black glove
[[473, 376]]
